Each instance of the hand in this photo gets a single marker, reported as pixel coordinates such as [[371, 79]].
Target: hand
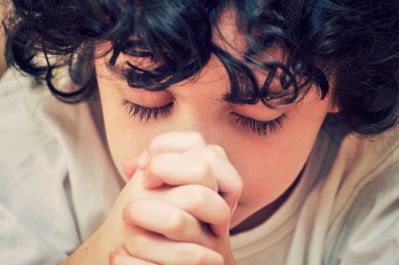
[[190, 175], [180, 200]]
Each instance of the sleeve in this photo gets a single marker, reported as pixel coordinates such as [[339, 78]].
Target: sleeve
[[20, 245], [37, 223]]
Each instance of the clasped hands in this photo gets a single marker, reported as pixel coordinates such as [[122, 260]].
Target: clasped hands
[[176, 207]]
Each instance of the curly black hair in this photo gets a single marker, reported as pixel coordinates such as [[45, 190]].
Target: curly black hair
[[355, 43]]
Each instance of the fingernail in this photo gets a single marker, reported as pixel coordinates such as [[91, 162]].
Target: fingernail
[[143, 159]]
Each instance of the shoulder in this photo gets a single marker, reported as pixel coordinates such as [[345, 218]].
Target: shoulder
[[52, 154], [33, 174], [365, 216], [17, 99]]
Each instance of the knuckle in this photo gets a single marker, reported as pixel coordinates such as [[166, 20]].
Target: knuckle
[[202, 169], [137, 242], [198, 197], [201, 257], [219, 149], [156, 163], [196, 137], [218, 260], [194, 254], [128, 210], [160, 163], [225, 214], [177, 223], [196, 257], [156, 145], [212, 154]]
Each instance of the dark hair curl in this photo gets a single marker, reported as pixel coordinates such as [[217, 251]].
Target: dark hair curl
[[355, 42]]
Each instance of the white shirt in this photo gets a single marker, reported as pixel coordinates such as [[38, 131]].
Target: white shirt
[[345, 209], [58, 182]]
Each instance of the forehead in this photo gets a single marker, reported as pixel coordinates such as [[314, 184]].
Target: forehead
[[229, 37]]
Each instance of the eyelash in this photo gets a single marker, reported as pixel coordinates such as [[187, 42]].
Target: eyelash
[[262, 128], [146, 113]]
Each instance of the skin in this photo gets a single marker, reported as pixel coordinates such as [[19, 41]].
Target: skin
[[198, 149], [268, 165]]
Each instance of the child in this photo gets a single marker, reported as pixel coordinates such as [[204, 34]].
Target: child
[[207, 132]]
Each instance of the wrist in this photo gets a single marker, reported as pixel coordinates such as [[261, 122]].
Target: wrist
[[89, 253]]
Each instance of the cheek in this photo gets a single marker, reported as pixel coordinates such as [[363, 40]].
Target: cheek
[[126, 139], [123, 140], [270, 166], [273, 171]]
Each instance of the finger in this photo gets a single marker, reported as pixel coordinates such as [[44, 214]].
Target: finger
[[204, 204], [175, 142], [176, 169], [115, 252], [165, 219], [155, 248], [167, 142], [130, 168], [229, 181], [171, 142], [129, 260], [217, 148]]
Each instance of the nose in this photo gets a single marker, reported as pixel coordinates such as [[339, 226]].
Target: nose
[[203, 119]]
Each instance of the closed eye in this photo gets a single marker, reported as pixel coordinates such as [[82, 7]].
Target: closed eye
[[261, 128], [146, 113]]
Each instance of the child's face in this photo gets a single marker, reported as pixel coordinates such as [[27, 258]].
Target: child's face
[[267, 164]]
